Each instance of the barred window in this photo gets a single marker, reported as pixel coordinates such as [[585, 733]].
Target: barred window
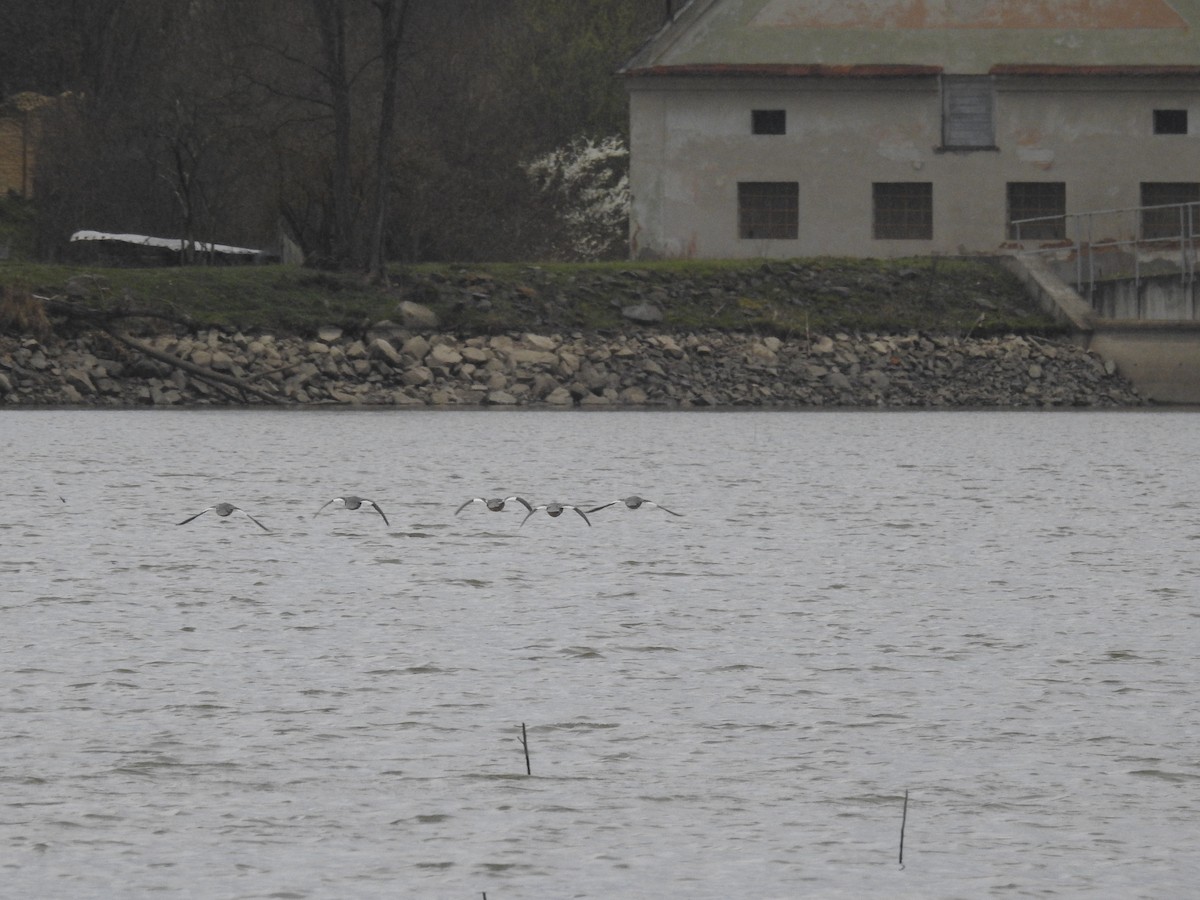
[[903, 210], [768, 209], [1168, 220], [1045, 200]]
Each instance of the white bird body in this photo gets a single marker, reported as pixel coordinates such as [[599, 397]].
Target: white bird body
[[352, 502], [554, 510], [224, 510], [635, 502], [495, 504]]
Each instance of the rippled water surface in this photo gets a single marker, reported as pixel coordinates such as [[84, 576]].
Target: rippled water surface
[[996, 612]]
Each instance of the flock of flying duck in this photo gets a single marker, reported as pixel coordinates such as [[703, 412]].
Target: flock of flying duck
[[493, 504]]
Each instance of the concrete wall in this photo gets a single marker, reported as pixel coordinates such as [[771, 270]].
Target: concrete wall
[[1161, 358], [1156, 297], [691, 144]]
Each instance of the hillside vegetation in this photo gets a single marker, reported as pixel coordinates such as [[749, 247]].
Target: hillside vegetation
[[780, 298]]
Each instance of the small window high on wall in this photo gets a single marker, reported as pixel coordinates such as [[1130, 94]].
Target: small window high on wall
[[768, 210], [1170, 121], [967, 113], [768, 121]]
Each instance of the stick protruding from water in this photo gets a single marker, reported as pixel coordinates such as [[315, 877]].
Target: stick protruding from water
[[525, 744], [903, 821]]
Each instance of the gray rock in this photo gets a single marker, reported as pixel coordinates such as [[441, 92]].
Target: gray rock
[[417, 347], [876, 379], [380, 348], [838, 382], [643, 314], [417, 376], [501, 398], [417, 316], [402, 398], [560, 396], [523, 357], [444, 355], [80, 381]]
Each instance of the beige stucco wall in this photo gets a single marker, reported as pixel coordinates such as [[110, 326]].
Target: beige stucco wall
[[15, 161], [691, 144]]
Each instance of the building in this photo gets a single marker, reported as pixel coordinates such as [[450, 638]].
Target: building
[[20, 131], [783, 128]]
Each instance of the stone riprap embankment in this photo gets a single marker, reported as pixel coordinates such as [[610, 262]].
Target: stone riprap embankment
[[390, 365]]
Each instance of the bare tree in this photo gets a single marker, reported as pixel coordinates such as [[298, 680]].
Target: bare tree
[[393, 19]]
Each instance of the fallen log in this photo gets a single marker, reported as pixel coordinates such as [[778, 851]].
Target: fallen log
[[99, 319]]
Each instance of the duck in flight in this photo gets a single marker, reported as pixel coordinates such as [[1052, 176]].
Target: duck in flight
[[636, 502], [223, 510], [554, 510], [494, 504], [352, 502]]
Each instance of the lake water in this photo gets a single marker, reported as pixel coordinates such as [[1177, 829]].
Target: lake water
[[995, 612]]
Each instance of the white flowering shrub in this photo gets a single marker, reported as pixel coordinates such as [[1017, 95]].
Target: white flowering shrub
[[587, 184]]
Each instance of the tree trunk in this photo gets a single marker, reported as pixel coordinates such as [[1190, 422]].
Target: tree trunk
[[331, 21], [393, 16]]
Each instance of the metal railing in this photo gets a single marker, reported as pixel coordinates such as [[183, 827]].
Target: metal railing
[[1084, 245]]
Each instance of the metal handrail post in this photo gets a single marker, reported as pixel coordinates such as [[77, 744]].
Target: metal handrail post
[[1079, 251], [1091, 263]]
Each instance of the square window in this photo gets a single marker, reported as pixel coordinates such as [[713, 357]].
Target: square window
[[1165, 212], [1043, 201], [768, 209], [768, 121], [903, 210], [967, 114], [1170, 121]]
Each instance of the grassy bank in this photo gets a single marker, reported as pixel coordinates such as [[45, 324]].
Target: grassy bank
[[769, 297]]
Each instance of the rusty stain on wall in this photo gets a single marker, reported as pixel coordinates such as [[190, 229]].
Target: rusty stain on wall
[[787, 70]]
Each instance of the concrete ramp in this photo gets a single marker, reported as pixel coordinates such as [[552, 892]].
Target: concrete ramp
[[1161, 357]]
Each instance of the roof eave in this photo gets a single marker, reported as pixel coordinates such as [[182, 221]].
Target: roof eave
[[782, 70], [1042, 69]]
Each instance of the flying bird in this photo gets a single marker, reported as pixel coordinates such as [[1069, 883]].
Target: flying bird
[[223, 510], [494, 504], [554, 510], [352, 502], [636, 502]]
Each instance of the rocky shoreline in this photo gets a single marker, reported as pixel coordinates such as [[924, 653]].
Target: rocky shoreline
[[396, 365]]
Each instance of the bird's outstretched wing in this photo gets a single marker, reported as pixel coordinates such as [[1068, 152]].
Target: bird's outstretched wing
[[581, 515], [327, 502], [375, 506], [196, 516], [252, 519], [605, 506], [468, 503], [663, 508], [521, 500], [532, 510]]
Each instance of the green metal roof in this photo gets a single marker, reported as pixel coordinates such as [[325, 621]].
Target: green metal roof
[[848, 37]]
